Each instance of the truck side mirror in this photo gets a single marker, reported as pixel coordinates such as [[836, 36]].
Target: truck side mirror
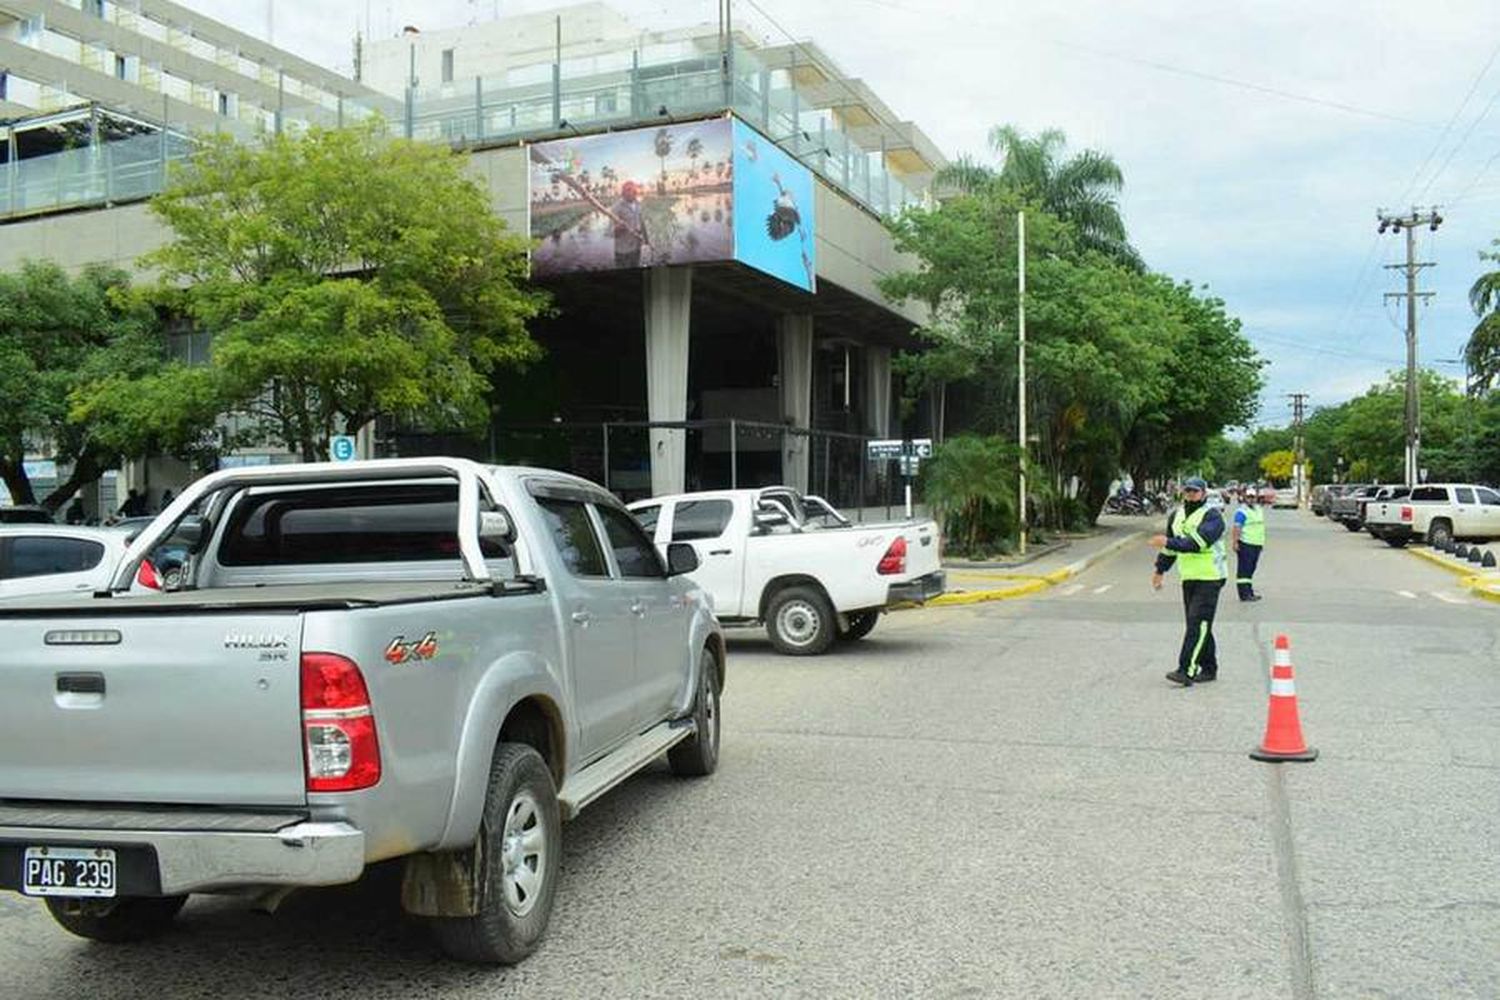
[[496, 526], [681, 558]]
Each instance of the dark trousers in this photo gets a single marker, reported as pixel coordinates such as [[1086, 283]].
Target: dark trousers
[[1200, 655], [1245, 573]]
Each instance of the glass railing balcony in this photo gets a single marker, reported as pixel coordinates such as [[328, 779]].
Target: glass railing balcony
[[683, 83]]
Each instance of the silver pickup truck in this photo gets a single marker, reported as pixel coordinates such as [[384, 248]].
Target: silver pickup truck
[[425, 659]]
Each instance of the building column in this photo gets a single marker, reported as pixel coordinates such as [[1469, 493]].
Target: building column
[[794, 341], [669, 310], [878, 390]]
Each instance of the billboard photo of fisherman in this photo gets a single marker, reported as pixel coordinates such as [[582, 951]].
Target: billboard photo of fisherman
[[633, 199]]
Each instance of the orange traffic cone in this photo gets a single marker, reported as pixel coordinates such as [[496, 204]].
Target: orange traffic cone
[[1283, 739]]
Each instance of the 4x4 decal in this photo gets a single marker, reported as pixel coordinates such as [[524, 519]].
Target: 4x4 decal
[[400, 651]]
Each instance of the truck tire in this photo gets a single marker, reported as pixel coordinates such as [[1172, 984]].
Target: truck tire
[[861, 624], [116, 921], [800, 621], [1352, 526], [1440, 533], [520, 845], [698, 755]]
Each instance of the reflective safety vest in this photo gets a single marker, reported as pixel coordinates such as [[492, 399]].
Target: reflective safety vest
[[1208, 563], [1253, 531]]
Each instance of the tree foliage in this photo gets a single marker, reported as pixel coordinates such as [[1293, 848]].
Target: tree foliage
[[1483, 350], [1278, 466], [971, 483], [61, 337], [1125, 369], [343, 276]]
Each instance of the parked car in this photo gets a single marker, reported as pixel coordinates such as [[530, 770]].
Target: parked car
[[1283, 498], [1344, 509], [1440, 513], [58, 559], [25, 514], [1376, 506], [761, 563], [423, 659], [1319, 496]]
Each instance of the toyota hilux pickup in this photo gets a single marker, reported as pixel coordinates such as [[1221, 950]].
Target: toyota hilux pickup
[[1437, 513], [760, 560], [424, 659]]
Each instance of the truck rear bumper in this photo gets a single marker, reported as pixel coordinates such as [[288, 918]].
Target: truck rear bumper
[[917, 591], [301, 853], [1396, 531]]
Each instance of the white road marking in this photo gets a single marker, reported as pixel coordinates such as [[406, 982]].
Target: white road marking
[[1071, 589], [1100, 590], [1448, 598], [1407, 594]]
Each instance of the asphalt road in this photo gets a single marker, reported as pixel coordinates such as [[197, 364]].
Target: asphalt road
[[1004, 800]]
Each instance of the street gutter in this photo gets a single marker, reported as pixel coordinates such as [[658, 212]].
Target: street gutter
[[1482, 585]]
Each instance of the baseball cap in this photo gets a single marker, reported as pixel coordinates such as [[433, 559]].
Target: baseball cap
[[1194, 483]]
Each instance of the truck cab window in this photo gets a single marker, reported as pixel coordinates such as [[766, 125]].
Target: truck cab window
[[573, 534]]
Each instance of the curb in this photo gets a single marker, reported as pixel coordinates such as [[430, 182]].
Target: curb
[[1034, 584], [1486, 587]]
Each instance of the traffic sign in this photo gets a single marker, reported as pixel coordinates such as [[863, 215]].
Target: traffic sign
[[884, 449], [921, 447], [341, 448]]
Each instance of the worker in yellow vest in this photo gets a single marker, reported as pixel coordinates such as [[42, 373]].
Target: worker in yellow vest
[[1195, 543], [1248, 539]]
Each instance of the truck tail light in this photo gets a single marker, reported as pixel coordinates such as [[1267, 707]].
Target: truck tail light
[[339, 741], [894, 560], [147, 576], [1406, 514]]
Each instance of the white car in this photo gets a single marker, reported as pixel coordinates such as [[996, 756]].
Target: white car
[[57, 559], [762, 559]]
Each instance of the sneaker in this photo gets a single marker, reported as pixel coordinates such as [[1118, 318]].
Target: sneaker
[[1252, 597], [1178, 677], [1204, 678]]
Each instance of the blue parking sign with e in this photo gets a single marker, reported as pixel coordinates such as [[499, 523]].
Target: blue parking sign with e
[[341, 448]]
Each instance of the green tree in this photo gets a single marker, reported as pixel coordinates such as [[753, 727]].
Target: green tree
[[61, 336], [1082, 190], [663, 145], [1483, 350], [972, 486], [344, 276]]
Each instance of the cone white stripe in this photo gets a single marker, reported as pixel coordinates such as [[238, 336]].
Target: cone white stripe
[[1283, 689], [1283, 658]]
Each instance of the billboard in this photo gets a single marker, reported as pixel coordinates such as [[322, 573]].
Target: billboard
[[773, 198], [671, 194], [632, 199]]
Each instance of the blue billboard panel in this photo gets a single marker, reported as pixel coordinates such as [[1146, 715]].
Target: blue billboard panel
[[773, 210]]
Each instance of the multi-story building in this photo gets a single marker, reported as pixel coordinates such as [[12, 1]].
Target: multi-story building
[[759, 301]]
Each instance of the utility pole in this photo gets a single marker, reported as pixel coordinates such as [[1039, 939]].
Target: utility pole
[[1299, 466], [1021, 364], [1409, 223]]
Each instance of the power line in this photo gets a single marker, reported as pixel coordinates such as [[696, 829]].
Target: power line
[[1473, 87], [1461, 142]]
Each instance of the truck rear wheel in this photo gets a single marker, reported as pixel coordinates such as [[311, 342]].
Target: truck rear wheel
[[698, 755], [520, 844], [1352, 525], [1440, 533], [861, 624], [116, 921], [800, 621]]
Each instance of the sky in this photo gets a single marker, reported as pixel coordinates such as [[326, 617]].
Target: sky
[[1257, 140]]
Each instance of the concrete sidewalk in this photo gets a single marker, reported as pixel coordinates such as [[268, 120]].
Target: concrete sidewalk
[[1480, 582], [973, 583]]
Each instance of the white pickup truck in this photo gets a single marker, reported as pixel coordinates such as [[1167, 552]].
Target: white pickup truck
[[811, 581], [1438, 513]]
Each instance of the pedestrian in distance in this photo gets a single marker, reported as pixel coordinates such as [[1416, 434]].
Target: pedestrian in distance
[[1248, 539], [134, 506], [1194, 542]]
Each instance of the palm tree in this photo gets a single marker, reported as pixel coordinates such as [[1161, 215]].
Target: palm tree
[[694, 150], [663, 150], [1082, 189], [1483, 349]]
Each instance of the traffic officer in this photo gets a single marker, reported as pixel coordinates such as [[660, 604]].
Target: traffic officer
[[1195, 542], [1248, 538]]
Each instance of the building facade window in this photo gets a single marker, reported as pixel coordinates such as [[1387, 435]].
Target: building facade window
[[224, 105], [447, 65], [94, 8], [120, 68]]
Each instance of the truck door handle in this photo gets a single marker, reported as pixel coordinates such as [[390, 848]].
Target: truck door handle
[[80, 683], [583, 618], [720, 552]]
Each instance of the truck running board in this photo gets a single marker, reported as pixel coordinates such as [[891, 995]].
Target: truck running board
[[598, 778]]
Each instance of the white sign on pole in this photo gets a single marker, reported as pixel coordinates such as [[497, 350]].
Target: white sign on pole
[[884, 449], [341, 448]]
